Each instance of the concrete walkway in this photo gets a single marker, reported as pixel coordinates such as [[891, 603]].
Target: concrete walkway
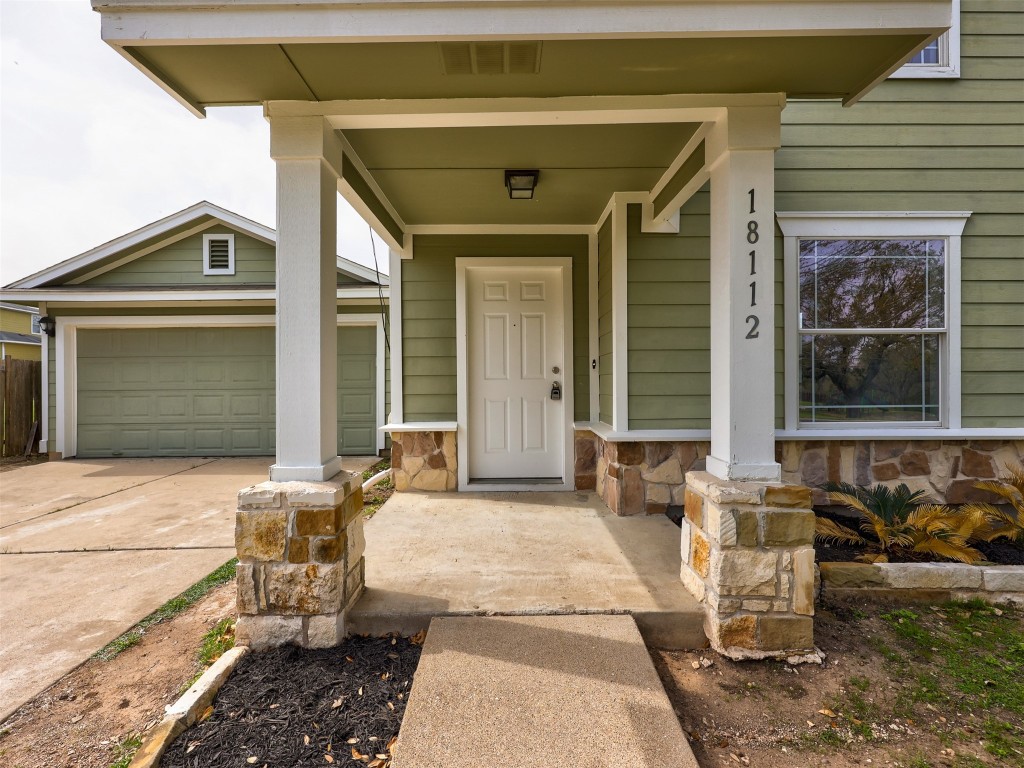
[[90, 547], [517, 692], [522, 554]]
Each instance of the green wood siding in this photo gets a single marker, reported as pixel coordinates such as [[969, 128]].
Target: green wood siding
[[669, 320], [605, 329], [428, 315], [181, 263], [939, 145]]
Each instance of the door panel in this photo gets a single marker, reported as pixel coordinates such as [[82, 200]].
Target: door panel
[[514, 331]]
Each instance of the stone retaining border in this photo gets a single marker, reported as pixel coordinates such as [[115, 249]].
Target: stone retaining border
[[187, 709], [924, 582]]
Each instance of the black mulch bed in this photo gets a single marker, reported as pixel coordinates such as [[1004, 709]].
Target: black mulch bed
[[346, 702]]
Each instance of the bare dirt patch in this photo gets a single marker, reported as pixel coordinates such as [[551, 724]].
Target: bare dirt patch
[[83, 718], [10, 463], [910, 686]]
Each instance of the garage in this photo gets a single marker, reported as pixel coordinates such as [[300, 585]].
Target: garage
[[205, 391]]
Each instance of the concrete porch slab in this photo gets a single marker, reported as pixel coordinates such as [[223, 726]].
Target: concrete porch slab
[[471, 554], [514, 691]]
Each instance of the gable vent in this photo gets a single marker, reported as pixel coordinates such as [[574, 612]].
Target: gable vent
[[220, 254], [517, 58]]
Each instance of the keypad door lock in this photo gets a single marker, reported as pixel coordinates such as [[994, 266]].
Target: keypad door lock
[[556, 391]]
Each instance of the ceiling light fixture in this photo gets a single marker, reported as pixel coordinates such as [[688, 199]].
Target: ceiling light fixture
[[520, 184]]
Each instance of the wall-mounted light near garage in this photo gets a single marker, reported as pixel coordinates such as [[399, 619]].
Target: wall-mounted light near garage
[[48, 325], [520, 184]]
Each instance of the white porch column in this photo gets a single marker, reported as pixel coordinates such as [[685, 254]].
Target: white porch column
[[741, 155], [308, 166]]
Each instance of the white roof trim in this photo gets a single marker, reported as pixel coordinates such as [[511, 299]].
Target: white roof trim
[[166, 224], [157, 295], [19, 308]]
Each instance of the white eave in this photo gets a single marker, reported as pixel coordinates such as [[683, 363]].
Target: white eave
[[165, 296]]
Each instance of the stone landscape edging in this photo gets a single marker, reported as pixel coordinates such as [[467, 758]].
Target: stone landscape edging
[[924, 582], [186, 710]]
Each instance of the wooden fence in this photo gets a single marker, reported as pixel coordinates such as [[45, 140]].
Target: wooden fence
[[20, 405]]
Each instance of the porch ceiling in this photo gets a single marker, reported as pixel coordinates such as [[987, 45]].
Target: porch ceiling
[[455, 175]]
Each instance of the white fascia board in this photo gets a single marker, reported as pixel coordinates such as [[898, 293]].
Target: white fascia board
[[500, 229], [19, 308], [35, 343], [360, 272], [872, 224], [151, 22], [155, 229], [170, 296], [522, 111]]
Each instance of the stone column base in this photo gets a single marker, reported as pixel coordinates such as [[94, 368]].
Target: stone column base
[[300, 551], [424, 461], [748, 555]]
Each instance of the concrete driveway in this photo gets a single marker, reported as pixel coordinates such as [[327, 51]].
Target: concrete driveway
[[90, 547]]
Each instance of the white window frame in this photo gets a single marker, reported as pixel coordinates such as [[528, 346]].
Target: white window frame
[[949, 55], [872, 225], [34, 324], [207, 269]]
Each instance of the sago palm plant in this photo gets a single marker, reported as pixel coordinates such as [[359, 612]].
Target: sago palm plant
[[902, 523], [1005, 520]]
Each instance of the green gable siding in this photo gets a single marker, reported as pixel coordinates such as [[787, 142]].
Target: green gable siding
[[605, 329], [669, 320], [181, 263], [942, 145], [428, 315]]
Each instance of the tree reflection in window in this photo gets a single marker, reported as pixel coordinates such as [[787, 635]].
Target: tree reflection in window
[[872, 313]]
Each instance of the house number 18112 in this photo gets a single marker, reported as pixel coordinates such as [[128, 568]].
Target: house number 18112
[[752, 237]]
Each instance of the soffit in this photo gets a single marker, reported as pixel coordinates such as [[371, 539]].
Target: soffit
[[456, 175], [827, 66]]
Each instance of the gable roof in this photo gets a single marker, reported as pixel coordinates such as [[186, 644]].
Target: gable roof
[[146, 239]]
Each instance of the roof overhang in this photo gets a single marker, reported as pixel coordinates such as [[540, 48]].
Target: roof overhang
[[430, 101], [252, 51], [65, 297]]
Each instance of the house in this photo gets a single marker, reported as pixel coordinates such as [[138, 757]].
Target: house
[[682, 252], [164, 343], [19, 332]]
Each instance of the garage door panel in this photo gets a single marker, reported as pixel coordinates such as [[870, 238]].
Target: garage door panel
[[204, 391], [210, 372], [173, 372], [172, 406], [138, 407], [245, 372], [356, 405], [96, 405], [210, 439], [207, 406], [247, 405], [171, 441]]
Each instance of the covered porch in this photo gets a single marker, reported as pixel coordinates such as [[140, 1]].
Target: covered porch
[[513, 311], [522, 554]]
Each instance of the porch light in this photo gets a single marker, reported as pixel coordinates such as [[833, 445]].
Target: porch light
[[48, 325], [520, 184]]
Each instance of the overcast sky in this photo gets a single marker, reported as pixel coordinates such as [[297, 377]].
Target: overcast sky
[[90, 149]]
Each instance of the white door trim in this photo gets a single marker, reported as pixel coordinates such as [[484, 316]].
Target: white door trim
[[67, 359], [564, 263]]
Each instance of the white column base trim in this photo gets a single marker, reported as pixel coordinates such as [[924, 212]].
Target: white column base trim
[[771, 472], [317, 474]]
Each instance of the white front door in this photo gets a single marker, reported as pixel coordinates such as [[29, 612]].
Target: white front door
[[515, 347]]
